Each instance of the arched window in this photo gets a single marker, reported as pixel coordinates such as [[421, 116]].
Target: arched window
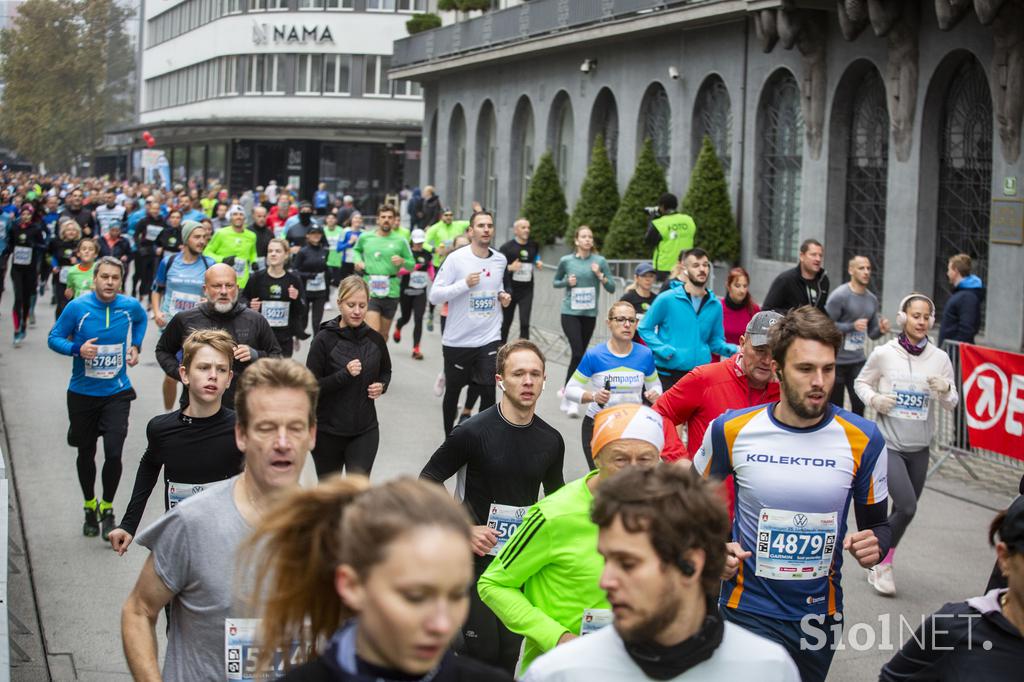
[[522, 152], [457, 161], [867, 174], [780, 129], [656, 123], [487, 157], [965, 174], [712, 117], [604, 121], [560, 132]]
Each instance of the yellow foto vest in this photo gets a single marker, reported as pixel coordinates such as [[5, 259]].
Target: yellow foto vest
[[677, 231]]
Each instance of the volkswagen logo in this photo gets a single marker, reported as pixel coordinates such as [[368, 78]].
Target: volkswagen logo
[[799, 520]]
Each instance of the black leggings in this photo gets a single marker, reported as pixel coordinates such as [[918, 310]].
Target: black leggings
[[907, 473], [92, 418], [524, 299], [145, 270], [113, 445], [412, 307], [284, 339], [353, 453], [24, 279], [471, 368], [586, 435], [577, 329], [845, 376], [484, 637], [316, 306]]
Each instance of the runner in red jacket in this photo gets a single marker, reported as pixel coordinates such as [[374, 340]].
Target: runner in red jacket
[[744, 380]]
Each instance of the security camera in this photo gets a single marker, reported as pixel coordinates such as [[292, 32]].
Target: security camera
[[673, 73], [588, 65]]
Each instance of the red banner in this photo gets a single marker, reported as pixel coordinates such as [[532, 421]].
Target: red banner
[[993, 395]]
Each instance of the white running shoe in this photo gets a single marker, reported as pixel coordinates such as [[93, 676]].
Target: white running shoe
[[439, 385], [574, 410], [881, 578]]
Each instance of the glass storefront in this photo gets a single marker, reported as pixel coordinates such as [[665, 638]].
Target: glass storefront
[[367, 171]]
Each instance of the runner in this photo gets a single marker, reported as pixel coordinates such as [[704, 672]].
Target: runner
[[333, 233], [902, 380], [355, 593], [147, 235], [62, 258], [581, 274], [348, 240], [798, 464], [502, 457], [74, 208], [194, 446], [109, 211], [639, 295], [26, 245], [440, 241], [738, 306], [523, 256], [115, 245], [276, 397], [379, 255], [684, 326], [310, 263], [544, 584], [170, 238], [178, 286], [470, 281], [234, 246], [351, 361], [221, 310], [103, 333], [277, 295], [413, 301], [80, 277], [617, 371], [662, 535], [854, 309], [263, 234]]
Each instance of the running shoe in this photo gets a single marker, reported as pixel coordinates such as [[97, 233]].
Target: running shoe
[[397, 336], [430, 323], [880, 577], [416, 354], [91, 527], [573, 410], [18, 338], [107, 523], [32, 318], [439, 385]]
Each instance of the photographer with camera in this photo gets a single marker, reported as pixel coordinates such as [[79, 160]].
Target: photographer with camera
[[669, 232]]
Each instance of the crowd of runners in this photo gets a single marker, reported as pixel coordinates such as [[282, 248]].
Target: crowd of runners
[[707, 541]]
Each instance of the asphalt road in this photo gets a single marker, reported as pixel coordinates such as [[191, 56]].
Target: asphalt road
[[80, 583]]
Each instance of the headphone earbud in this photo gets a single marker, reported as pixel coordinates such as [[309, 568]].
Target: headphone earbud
[[501, 385], [686, 567], [543, 385]]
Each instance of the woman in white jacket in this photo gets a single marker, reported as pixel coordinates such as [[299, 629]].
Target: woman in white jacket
[[902, 380]]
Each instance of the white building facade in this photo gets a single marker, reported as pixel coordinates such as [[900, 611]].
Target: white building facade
[[241, 92]]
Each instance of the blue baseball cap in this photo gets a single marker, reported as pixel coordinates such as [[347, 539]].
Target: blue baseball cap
[[643, 269]]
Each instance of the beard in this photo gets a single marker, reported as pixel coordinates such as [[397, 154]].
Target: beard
[[224, 308], [649, 628], [796, 403]]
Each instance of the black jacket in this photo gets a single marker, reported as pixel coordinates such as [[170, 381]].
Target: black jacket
[[961, 316], [245, 325], [790, 290], [122, 247], [309, 262], [344, 408], [452, 669], [263, 236], [143, 244], [84, 217], [431, 210]]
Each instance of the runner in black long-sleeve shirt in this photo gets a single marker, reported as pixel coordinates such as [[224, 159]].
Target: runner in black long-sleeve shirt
[[508, 453], [279, 296], [194, 446]]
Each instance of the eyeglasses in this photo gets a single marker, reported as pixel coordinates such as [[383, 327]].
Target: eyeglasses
[[623, 320]]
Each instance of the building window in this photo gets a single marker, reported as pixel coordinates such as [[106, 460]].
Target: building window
[[408, 89], [780, 130], [522, 152], [232, 6], [266, 75], [965, 174], [867, 176], [712, 117], [337, 68], [457, 160], [487, 157], [380, 5], [325, 4], [560, 134], [376, 83], [412, 5], [656, 123], [263, 5], [309, 74], [604, 121]]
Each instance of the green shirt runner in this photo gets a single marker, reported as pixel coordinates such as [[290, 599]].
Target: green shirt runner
[[547, 575], [374, 251], [443, 234], [79, 280], [227, 243], [332, 237]]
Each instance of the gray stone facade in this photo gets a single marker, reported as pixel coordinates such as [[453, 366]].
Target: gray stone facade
[[851, 141]]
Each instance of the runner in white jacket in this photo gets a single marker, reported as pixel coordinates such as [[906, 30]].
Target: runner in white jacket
[[902, 380]]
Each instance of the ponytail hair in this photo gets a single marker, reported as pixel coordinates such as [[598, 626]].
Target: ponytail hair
[[308, 533]]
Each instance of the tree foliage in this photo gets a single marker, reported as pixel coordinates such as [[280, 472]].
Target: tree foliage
[[599, 195], [422, 22], [545, 205], [463, 5], [626, 235], [707, 202], [68, 70]]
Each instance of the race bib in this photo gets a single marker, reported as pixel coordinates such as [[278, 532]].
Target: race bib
[[22, 255], [418, 279], [912, 401], [483, 304], [524, 273], [153, 231], [180, 302], [276, 312], [177, 492], [108, 362], [332, 242], [595, 619], [317, 283], [260, 264], [854, 341], [239, 266], [583, 298], [795, 545], [62, 276], [505, 519], [380, 286], [241, 652]]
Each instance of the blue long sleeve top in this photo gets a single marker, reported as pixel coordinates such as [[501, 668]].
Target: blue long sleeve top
[[116, 326]]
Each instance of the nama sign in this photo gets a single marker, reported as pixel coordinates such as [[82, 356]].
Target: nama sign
[[263, 34]]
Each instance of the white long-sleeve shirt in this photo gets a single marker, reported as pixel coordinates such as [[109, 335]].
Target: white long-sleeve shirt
[[474, 314]]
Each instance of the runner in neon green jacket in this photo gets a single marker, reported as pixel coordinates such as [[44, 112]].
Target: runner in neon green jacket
[[374, 251], [237, 246], [442, 234]]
